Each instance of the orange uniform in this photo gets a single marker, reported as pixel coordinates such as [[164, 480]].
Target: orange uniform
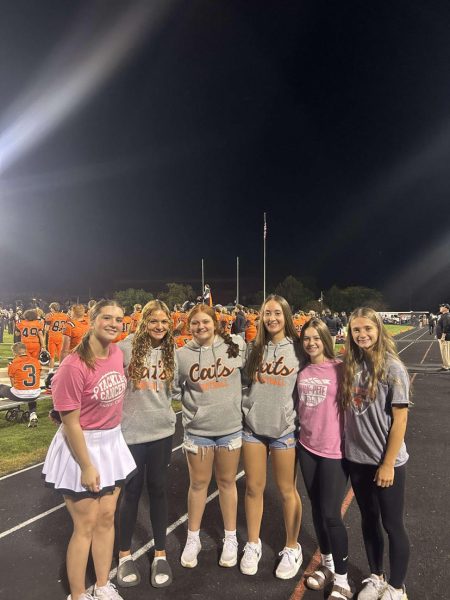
[[75, 330], [25, 374], [135, 318], [29, 335], [181, 340], [55, 323], [181, 317], [126, 324], [250, 331]]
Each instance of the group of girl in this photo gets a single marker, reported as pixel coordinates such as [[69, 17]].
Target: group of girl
[[285, 395]]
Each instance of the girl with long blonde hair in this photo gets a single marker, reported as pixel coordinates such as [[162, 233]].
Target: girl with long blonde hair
[[375, 394]]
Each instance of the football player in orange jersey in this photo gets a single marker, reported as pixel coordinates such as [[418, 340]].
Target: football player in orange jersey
[[24, 373], [31, 328], [126, 324], [251, 329], [55, 321], [136, 316], [75, 328], [181, 331]]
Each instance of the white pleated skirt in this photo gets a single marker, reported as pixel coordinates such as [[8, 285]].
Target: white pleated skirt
[[109, 454]]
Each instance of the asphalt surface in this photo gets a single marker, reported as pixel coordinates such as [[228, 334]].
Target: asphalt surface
[[35, 527]]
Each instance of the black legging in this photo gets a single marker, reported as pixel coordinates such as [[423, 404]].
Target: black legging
[[375, 502], [325, 481], [152, 460]]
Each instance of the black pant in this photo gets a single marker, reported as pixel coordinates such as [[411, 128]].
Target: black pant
[[325, 481], [388, 503], [152, 460]]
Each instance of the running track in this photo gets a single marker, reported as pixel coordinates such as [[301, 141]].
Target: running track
[[34, 526]]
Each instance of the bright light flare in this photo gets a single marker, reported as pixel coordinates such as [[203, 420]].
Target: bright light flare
[[45, 108]]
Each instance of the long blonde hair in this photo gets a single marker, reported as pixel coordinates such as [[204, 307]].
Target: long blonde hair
[[84, 349], [142, 344], [255, 359], [354, 356]]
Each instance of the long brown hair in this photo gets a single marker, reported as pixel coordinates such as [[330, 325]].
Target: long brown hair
[[233, 348], [255, 359], [84, 349], [142, 344], [354, 356], [325, 338]]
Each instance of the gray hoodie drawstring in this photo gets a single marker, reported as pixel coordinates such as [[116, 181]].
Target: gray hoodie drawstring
[[215, 362]]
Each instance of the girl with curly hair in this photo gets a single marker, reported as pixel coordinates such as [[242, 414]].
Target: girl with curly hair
[[148, 426]]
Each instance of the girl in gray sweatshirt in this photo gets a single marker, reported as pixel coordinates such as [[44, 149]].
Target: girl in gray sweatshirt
[[148, 425], [269, 424], [210, 388]]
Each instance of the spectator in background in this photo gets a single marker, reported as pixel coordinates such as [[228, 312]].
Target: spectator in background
[[344, 320], [333, 323], [240, 322], [431, 323], [443, 335]]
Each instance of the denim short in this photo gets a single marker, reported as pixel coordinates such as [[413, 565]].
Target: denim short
[[231, 441], [285, 442]]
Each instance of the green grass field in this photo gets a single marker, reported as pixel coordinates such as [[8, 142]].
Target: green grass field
[[21, 446], [5, 349]]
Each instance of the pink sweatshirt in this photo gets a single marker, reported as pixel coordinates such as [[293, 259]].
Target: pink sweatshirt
[[321, 420]]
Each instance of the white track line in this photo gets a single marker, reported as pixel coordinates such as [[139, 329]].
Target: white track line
[[41, 463], [138, 553], [32, 520], [47, 512], [418, 338]]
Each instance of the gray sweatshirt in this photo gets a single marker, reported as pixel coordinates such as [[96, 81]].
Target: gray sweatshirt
[[147, 411], [269, 407], [209, 386]]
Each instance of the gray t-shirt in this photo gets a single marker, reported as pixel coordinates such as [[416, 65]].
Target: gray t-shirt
[[368, 422]]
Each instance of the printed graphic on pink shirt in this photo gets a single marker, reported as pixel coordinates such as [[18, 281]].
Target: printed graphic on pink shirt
[[313, 390], [109, 389]]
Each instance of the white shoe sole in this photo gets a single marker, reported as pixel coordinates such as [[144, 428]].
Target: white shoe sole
[[228, 563], [290, 574], [189, 565], [247, 571]]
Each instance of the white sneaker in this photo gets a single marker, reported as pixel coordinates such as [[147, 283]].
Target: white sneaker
[[251, 558], [190, 552], [390, 593], [228, 558], [373, 588], [85, 596], [290, 563], [33, 420], [107, 592]]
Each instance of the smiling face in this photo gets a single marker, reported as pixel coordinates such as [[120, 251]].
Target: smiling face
[[364, 333], [107, 323], [273, 319], [202, 328], [157, 326], [313, 345]]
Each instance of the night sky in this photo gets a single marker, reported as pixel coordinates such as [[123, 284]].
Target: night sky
[[137, 138]]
